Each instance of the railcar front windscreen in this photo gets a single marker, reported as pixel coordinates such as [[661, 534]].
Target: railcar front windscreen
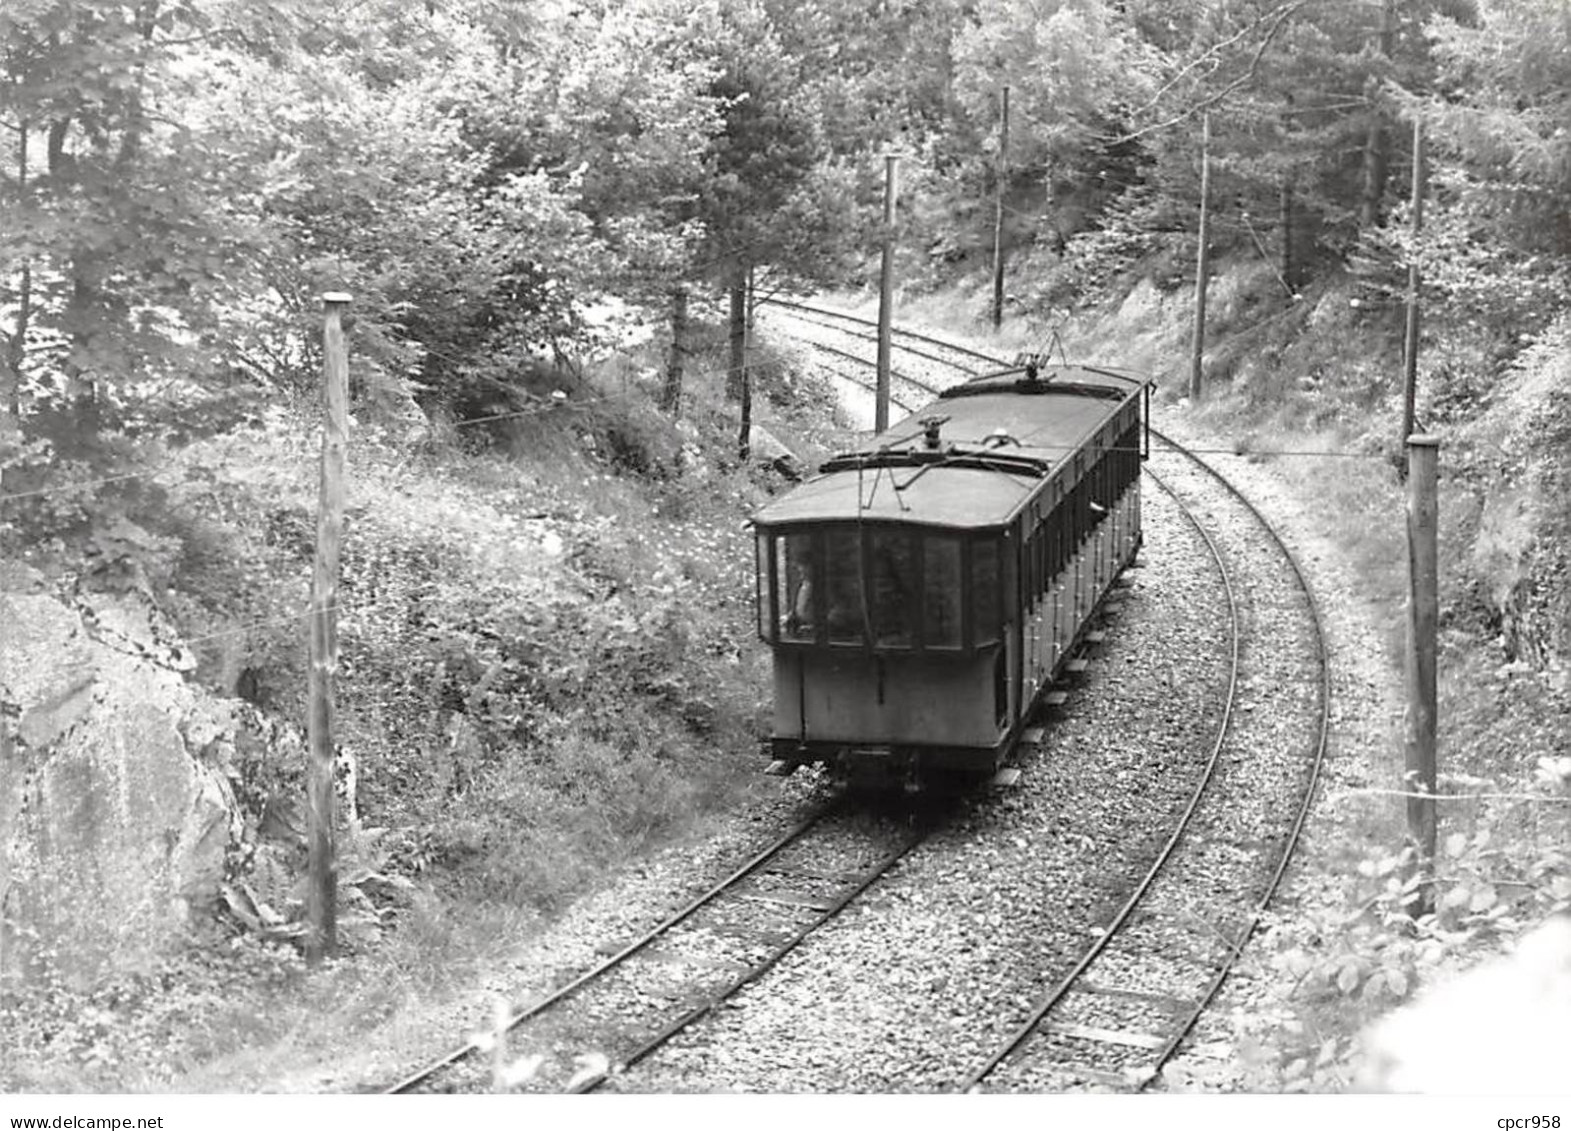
[[941, 591], [885, 586]]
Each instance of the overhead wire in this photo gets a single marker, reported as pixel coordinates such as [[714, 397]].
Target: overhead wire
[[544, 406], [84, 484], [1236, 450], [568, 404]]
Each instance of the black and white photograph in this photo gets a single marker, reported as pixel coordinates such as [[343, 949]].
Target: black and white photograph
[[838, 550]]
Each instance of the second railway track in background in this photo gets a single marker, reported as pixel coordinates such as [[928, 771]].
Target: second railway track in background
[[1118, 1015], [964, 360], [855, 339]]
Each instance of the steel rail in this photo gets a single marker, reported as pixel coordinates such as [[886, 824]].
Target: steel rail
[[849, 356], [1026, 1028], [955, 347], [757, 971], [857, 319], [430, 1071], [1317, 762], [1290, 844], [464, 1052], [1256, 912], [870, 386]]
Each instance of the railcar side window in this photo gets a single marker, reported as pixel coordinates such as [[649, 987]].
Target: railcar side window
[[1034, 575], [1009, 576], [941, 591], [1080, 512], [843, 609], [984, 589], [1131, 446], [761, 583], [797, 604], [894, 591], [1090, 502], [1108, 464], [1055, 541]]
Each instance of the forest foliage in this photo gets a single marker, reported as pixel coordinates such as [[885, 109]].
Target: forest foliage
[[183, 178]]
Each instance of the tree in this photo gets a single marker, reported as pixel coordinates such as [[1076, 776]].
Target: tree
[[1074, 69], [881, 73], [122, 249], [1497, 235], [190, 175], [608, 103], [773, 196], [1306, 101], [371, 185]]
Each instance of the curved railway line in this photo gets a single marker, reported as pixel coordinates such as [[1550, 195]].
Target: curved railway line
[[1129, 1001], [1123, 1010], [1080, 975], [855, 327], [1160, 941]]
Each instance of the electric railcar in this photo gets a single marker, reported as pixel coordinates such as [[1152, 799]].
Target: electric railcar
[[919, 596]]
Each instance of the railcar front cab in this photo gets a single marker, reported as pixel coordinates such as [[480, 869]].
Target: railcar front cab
[[889, 647]]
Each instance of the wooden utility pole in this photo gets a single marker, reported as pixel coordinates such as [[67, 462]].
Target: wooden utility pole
[[886, 296], [998, 215], [1286, 211], [1375, 143], [1287, 270], [671, 394], [1410, 335], [1201, 261], [322, 892], [745, 440], [736, 332], [16, 345], [1423, 605]]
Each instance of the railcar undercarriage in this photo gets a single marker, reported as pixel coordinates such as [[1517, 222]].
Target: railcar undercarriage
[[882, 766]]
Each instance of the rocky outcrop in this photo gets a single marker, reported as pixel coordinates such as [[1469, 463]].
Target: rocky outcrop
[[116, 812]]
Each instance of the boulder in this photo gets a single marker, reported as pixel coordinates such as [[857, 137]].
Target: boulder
[[116, 812]]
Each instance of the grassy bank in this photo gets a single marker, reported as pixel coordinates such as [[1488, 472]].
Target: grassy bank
[[548, 669]]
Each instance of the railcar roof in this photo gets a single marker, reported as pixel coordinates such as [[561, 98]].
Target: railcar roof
[[975, 485]]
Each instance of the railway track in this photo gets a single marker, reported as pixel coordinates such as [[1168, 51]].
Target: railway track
[[1123, 1010], [844, 344], [659, 984], [966, 362], [1107, 1012]]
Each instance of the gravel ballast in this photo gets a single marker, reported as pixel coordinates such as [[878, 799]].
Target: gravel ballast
[[913, 982]]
